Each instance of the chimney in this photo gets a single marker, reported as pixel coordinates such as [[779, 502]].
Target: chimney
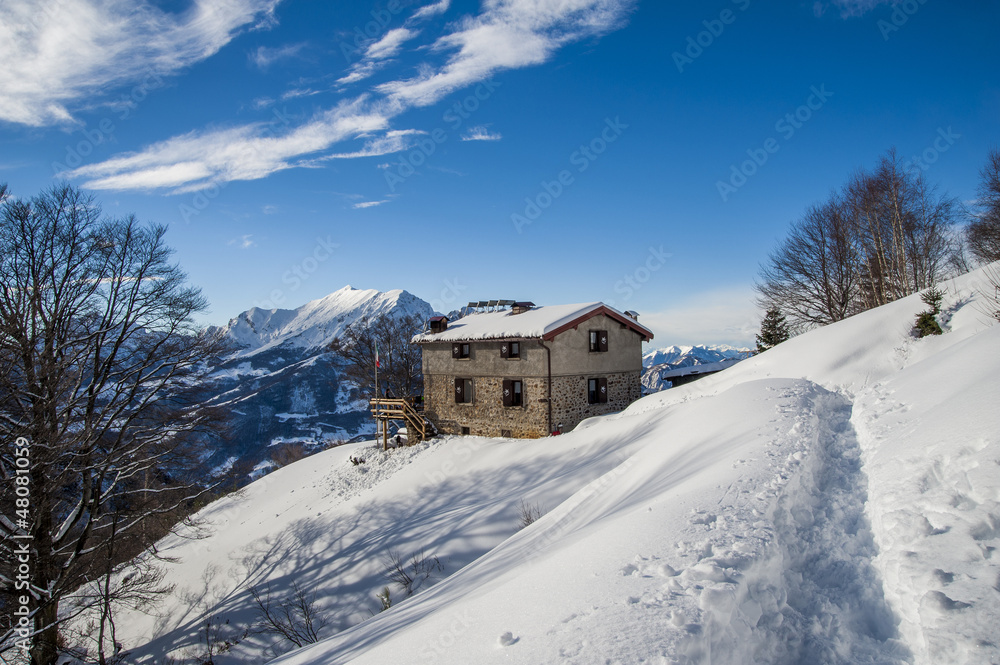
[[438, 324], [632, 314], [521, 307]]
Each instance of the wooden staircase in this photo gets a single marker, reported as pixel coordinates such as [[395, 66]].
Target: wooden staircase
[[385, 410]]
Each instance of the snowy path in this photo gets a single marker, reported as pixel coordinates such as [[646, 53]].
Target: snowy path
[[771, 564]]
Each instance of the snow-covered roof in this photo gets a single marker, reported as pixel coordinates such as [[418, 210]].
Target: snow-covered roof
[[543, 322]]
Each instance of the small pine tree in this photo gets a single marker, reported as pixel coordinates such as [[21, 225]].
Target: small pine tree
[[773, 330], [926, 322]]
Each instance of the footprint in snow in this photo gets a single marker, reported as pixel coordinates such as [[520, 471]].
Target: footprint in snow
[[507, 639]]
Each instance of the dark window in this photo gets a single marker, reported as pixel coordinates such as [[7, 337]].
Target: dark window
[[460, 350], [597, 391], [463, 391], [513, 392], [465, 431], [510, 350], [598, 340]]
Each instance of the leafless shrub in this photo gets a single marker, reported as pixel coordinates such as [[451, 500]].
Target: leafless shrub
[[295, 618], [409, 575], [528, 513]]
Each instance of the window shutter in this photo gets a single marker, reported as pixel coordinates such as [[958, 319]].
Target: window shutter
[[459, 391], [456, 350], [505, 350], [508, 392], [602, 340], [602, 390]]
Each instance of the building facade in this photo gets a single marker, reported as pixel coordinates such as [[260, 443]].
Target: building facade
[[528, 371]]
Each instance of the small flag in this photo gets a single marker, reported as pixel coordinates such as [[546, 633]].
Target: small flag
[[377, 363]]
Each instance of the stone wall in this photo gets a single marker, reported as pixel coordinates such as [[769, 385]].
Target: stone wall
[[569, 397], [486, 415]]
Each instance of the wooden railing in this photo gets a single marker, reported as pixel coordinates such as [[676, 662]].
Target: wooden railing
[[384, 409]]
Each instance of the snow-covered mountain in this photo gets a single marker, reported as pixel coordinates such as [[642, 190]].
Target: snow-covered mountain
[[684, 356], [833, 500], [315, 324], [283, 386], [713, 357]]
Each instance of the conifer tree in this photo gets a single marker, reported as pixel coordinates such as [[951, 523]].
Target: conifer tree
[[773, 330]]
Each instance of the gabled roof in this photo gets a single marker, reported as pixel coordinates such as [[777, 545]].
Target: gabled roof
[[537, 323]]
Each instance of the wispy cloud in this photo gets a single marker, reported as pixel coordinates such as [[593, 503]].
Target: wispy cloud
[[264, 57], [243, 242], [376, 55], [509, 34], [432, 9], [368, 204], [393, 141], [56, 54], [480, 133]]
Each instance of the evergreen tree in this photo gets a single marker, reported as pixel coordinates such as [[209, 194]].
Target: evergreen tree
[[773, 330], [926, 321]]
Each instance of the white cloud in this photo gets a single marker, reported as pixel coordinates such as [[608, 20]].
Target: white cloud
[[508, 34], [393, 141], [59, 52], [377, 54], [264, 57], [432, 9], [243, 242], [723, 316], [197, 160], [368, 204], [390, 45], [480, 133]]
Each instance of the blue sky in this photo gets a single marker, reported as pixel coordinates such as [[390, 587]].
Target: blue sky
[[550, 150]]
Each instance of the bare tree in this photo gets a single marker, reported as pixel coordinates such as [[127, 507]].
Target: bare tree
[[814, 274], [983, 234], [885, 235], [98, 356], [399, 373]]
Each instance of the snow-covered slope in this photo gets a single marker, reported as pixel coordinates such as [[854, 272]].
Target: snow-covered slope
[[833, 500]]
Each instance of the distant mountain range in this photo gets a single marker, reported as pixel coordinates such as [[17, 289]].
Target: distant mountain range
[[713, 358], [282, 385]]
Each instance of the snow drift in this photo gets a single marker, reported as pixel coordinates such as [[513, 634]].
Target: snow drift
[[833, 500]]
